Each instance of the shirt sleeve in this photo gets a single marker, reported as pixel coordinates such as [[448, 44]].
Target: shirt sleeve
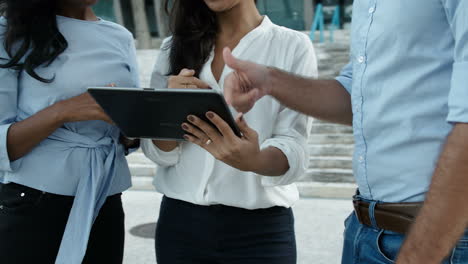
[[346, 77], [291, 131], [8, 105], [133, 62], [152, 152], [457, 15], [161, 158]]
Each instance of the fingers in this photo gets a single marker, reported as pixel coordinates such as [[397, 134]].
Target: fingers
[[222, 126], [244, 127], [231, 88], [186, 82], [200, 84], [191, 81], [187, 73], [205, 128], [104, 117], [244, 102], [195, 132], [232, 62]]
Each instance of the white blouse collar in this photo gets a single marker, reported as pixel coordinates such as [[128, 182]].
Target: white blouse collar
[[244, 43]]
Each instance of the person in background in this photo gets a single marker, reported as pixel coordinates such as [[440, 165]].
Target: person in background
[[228, 199], [62, 166], [405, 91]]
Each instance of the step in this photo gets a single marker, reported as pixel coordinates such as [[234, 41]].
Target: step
[[142, 184], [325, 128], [326, 190], [329, 175], [142, 170], [338, 150], [139, 158], [331, 139], [306, 189], [324, 162]]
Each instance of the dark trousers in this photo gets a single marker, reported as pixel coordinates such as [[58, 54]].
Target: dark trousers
[[189, 234], [32, 224]]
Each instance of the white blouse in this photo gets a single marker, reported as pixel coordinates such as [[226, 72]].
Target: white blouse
[[191, 174]]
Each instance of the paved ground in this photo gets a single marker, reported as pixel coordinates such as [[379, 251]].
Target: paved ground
[[319, 228]]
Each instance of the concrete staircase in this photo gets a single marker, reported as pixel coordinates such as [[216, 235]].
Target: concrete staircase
[[331, 149], [142, 169]]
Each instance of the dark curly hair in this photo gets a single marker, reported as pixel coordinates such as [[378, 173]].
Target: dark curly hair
[[32, 37]]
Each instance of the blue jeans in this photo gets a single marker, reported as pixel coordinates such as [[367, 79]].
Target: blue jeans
[[369, 245]]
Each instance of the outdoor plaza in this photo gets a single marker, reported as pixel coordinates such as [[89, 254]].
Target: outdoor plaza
[[326, 190], [327, 187]]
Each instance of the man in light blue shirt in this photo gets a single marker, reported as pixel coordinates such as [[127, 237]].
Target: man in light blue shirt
[[405, 91]]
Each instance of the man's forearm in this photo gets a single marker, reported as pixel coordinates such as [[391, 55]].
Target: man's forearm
[[323, 99], [444, 216]]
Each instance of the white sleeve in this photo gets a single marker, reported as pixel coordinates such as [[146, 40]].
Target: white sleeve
[[161, 158], [151, 151], [292, 128]]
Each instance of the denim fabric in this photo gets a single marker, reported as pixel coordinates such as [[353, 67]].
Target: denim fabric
[[369, 245]]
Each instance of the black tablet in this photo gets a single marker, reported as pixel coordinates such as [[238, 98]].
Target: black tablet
[[159, 113]]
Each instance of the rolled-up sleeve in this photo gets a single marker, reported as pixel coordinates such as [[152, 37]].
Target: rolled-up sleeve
[[8, 107], [291, 131], [346, 77], [290, 137], [161, 158], [457, 14]]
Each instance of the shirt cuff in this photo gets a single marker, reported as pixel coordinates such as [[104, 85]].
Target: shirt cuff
[[346, 77], [5, 164], [346, 82], [296, 168], [161, 158], [458, 97]]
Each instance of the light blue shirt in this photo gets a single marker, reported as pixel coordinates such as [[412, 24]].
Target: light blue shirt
[[408, 80], [82, 159]]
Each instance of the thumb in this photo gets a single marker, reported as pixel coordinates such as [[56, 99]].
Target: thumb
[[243, 126], [187, 73], [232, 62]]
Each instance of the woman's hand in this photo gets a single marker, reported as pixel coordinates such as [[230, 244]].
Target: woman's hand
[[221, 141], [186, 79], [81, 108], [25, 135]]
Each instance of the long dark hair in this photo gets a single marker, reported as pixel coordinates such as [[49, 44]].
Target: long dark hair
[[32, 37], [194, 27]]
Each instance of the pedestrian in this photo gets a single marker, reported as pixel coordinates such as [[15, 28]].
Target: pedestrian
[[62, 166], [228, 199], [405, 91]]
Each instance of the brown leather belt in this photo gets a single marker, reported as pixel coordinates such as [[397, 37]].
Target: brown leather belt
[[396, 217]]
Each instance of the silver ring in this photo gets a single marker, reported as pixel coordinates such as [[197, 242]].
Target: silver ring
[[208, 142]]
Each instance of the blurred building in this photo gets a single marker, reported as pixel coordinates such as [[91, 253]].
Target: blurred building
[[147, 20]]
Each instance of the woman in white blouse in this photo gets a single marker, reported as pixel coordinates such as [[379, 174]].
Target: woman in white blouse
[[228, 199]]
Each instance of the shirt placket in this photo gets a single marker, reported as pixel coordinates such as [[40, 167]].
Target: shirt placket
[[358, 101]]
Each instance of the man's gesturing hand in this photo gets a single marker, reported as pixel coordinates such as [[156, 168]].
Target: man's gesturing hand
[[246, 85]]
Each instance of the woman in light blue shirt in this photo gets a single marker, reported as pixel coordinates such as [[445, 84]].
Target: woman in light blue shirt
[[62, 163]]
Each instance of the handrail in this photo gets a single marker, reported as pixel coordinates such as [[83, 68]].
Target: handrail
[[319, 23]]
